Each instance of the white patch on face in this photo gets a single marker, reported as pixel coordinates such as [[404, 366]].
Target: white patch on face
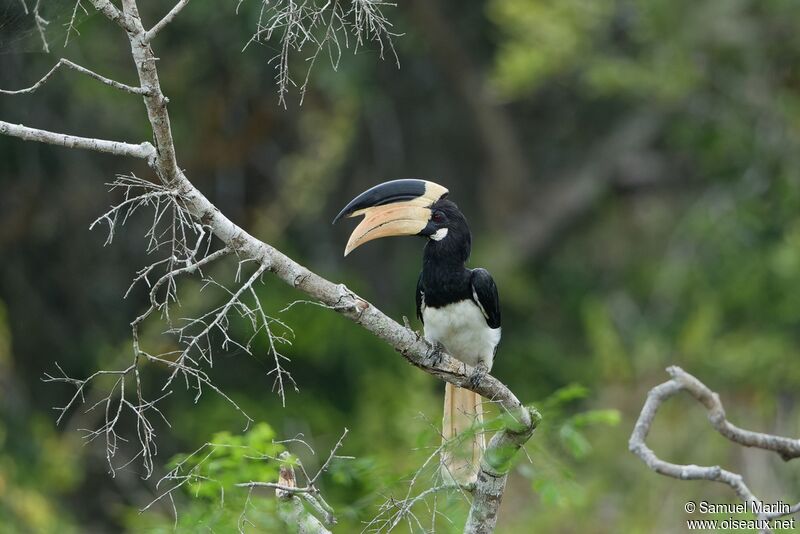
[[439, 234]]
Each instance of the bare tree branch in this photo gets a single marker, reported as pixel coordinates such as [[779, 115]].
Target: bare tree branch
[[310, 486], [190, 470], [41, 24], [293, 496], [325, 27], [393, 511], [71, 24], [82, 70], [169, 17], [112, 13], [682, 381], [292, 511], [143, 150], [787, 448]]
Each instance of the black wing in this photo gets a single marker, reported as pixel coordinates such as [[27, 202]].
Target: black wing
[[484, 294], [420, 296]]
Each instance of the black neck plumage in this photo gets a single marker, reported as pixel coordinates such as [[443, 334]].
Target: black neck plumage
[[445, 278]]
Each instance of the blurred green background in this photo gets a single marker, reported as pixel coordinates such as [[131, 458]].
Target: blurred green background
[[630, 170]]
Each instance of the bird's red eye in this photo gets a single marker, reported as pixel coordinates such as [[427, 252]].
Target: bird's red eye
[[437, 217]]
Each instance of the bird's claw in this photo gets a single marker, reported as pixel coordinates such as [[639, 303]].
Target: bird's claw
[[481, 370], [435, 356]]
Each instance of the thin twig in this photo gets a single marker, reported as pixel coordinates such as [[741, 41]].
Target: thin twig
[[83, 70], [169, 17], [41, 24], [71, 24]]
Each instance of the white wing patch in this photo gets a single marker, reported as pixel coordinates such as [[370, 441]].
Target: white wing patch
[[478, 302]]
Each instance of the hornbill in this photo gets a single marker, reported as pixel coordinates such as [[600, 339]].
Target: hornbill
[[458, 306]]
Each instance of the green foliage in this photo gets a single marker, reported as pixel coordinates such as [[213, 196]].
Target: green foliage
[[206, 482], [227, 460], [544, 38], [560, 419], [606, 344], [562, 442]]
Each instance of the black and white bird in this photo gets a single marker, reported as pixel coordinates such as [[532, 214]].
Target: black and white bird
[[459, 307]]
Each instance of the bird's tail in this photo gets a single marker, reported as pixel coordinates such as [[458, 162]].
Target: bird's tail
[[462, 435]]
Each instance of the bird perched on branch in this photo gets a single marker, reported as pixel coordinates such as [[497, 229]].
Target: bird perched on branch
[[458, 306]]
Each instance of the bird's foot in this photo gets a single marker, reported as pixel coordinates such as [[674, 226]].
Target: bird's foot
[[435, 356], [481, 370]]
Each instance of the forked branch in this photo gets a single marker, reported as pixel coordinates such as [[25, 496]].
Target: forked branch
[[787, 448], [288, 490], [83, 70], [169, 17]]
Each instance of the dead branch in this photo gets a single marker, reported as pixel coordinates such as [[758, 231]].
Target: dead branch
[[190, 470], [325, 27], [71, 24], [311, 481], [393, 511], [41, 24], [287, 489], [112, 13], [682, 381], [169, 17], [83, 70], [143, 150]]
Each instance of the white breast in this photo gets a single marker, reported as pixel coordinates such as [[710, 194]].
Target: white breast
[[461, 327]]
